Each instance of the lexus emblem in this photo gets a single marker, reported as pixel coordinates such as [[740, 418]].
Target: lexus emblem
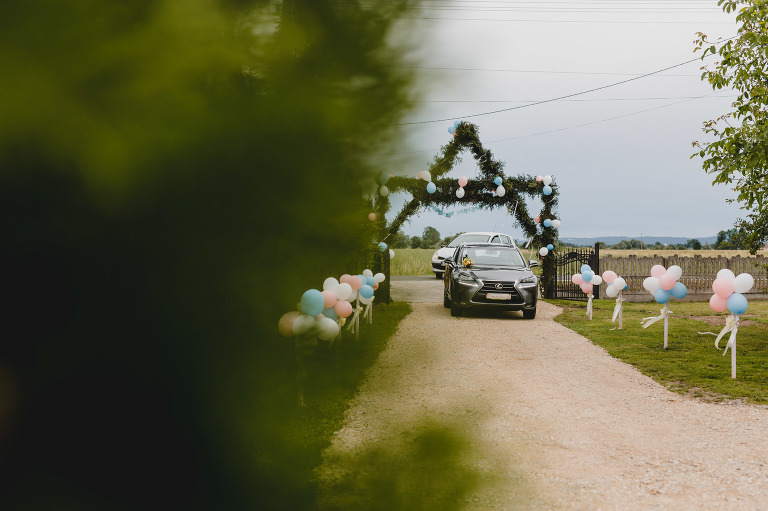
[[499, 285]]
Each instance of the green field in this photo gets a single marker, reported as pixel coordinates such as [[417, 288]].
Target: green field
[[691, 365], [412, 261]]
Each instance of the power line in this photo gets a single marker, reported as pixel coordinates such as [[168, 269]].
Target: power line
[[549, 100], [568, 100], [431, 68]]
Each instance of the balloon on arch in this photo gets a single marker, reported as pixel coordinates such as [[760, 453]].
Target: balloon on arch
[[490, 189]]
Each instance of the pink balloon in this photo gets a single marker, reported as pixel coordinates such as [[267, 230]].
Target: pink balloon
[[345, 278], [329, 299], [609, 276], [658, 270], [667, 282], [539, 178], [285, 325], [355, 282], [376, 286], [723, 287], [463, 181], [718, 303], [343, 308], [372, 217], [537, 218], [586, 287], [576, 279]]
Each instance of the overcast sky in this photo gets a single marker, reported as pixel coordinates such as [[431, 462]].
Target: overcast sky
[[627, 176]]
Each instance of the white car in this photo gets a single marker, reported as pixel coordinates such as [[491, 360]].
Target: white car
[[438, 258]]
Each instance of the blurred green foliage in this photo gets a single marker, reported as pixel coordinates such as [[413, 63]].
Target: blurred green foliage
[[173, 176]]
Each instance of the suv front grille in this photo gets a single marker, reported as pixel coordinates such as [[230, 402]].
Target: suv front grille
[[506, 287]]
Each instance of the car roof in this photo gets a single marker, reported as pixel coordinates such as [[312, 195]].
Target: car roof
[[485, 244], [486, 233]]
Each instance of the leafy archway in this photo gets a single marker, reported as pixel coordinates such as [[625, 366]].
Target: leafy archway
[[479, 191]]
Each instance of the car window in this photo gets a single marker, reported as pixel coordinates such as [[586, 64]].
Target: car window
[[494, 256], [505, 239], [495, 239], [468, 238]]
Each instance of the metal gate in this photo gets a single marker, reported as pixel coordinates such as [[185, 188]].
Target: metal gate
[[569, 261]]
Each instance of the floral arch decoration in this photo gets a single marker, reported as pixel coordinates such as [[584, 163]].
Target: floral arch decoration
[[480, 191]]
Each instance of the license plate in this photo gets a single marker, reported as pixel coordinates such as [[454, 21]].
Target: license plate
[[499, 296]]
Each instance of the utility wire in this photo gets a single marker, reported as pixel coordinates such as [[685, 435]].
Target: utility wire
[[549, 100]]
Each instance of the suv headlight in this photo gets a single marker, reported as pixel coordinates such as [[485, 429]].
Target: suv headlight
[[464, 277], [529, 280], [434, 256]]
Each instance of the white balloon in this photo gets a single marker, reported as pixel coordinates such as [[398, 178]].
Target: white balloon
[[460, 193], [368, 273], [379, 277], [611, 291], [500, 191], [543, 251], [365, 301], [303, 324], [556, 223], [352, 296], [384, 191], [547, 180], [725, 273], [619, 283], [597, 280], [391, 254], [650, 284], [743, 283], [330, 284], [327, 329], [675, 271], [427, 176], [343, 291]]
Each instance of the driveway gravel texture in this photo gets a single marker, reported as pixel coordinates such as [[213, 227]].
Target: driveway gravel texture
[[491, 411]]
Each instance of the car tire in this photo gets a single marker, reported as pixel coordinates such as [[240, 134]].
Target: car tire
[[529, 314], [446, 300], [455, 309], [438, 275]]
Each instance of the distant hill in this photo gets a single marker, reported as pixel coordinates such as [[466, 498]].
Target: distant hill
[[648, 240]]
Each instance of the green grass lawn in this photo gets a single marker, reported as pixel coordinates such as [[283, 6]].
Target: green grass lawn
[[691, 365], [332, 380], [412, 261]]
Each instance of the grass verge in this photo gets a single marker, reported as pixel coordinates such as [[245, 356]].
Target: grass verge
[[691, 365], [332, 380]]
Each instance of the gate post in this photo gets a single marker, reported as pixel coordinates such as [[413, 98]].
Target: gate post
[[596, 266], [381, 264]]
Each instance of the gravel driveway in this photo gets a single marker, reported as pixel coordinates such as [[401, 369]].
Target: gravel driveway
[[492, 411]]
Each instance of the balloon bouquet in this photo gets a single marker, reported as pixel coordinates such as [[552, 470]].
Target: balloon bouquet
[[585, 280], [729, 295], [614, 289], [548, 222], [663, 285]]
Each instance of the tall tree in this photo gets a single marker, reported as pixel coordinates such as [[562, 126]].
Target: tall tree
[[430, 238], [738, 155]]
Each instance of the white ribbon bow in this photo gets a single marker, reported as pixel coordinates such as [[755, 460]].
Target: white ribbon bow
[[731, 325], [653, 319], [617, 309], [353, 319], [368, 314]]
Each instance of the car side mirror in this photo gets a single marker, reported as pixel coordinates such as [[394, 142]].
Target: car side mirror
[[533, 263], [442, 246]]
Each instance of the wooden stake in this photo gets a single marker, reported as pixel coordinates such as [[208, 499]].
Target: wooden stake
[[357, 318], [666, 323], [733, 357], [621, 310]]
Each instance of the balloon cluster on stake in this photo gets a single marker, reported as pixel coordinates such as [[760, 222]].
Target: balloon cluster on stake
[[663, 285], [615, 285], [585, 280], [321, 314], [729, 294]]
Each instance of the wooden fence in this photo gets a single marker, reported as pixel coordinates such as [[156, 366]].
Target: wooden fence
[[698, 273]]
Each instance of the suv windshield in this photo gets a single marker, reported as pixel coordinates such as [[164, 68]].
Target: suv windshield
[[468, 238], [493, 256]]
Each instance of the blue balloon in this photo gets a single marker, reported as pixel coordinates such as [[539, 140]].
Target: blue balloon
[[585, 267], [547, 190], [627, 285], [370, 281], [312, 302], [737, 304], [382, 246], [431, 187], [547, 223], [383, 178], [497, 180], [679, 291], [587, 275], [456, 124], [550, 247], [451, 129], [662, 295], [330, 312], [366, 291]]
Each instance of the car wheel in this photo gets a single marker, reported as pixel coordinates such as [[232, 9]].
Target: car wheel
[[438, 275], [455, 309], [446, 300], [529, 314]]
